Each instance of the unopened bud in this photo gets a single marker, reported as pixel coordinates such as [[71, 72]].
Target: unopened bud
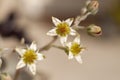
[[94, 30], [5, 76], [92, 6]]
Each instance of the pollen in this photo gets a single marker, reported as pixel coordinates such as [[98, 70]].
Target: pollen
[[29, 56], [75, 48], [63, 29]]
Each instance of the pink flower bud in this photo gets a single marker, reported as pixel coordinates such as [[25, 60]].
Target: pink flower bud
[[92, 6], [94, 30]]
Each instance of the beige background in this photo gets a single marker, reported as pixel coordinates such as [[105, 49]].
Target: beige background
[[101, 60]]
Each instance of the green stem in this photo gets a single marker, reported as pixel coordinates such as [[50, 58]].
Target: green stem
[[59, 47], [62, 48]]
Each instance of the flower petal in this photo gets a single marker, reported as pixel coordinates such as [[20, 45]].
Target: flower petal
[[69, 21], [40, 56], [72, 32], [52, 32], [78, 58], [77, 39], [70, 56], [69, 44], [63, 40], [83, 49], [20, 64], [20, 51], [32, 68], [56, 21], [0, 62], [33, 46]]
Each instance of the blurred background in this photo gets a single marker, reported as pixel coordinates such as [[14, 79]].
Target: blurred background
[[31, 19]]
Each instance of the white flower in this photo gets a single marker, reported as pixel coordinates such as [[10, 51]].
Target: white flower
[[62, 29], [0, 62], [75, 49], [29, 57]]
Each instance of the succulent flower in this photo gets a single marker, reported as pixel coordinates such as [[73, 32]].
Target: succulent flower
[[29, 57], [0, 62], [62, 29], [75, 49]]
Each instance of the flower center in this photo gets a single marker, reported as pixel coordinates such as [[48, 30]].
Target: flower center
[[75, 48], [63, 29], [29, 56]]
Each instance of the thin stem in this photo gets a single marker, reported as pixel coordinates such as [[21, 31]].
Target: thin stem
[[79, 28], [47, 46], [80, 18], [62, 48], [59, 47]]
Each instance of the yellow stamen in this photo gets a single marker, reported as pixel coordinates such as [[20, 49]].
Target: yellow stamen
[[63, 29], [75, 48], [29, 56]]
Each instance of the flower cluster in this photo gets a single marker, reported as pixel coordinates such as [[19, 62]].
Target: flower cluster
[[63, 29]]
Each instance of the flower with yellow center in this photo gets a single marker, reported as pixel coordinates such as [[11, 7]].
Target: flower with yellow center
[[62, 29], [75, 49], [29, 57]]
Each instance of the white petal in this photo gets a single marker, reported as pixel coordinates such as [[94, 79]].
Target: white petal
[[78, 58], [70, 56], [82, 50], [52, 32], [32, 68], [40, 56], [69, 21], [20, 64], [20, 51], [0, 62], [73, 32], [77, 39], [33, 46], [69, 44], [63, 40], [56, 21]]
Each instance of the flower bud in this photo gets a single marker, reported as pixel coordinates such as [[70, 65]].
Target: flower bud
[[94, 30], [5, 76], [92, 6]]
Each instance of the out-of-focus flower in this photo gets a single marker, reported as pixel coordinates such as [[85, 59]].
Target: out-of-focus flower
[[5, 76], [75, 49], [0, 62], [62, 29], [0, 58], [29, 57], [94, 30], [92, 6]]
